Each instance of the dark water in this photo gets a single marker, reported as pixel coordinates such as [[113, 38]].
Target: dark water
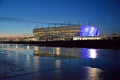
[[24, 62]]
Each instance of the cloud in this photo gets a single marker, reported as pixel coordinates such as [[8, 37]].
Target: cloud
[[12, 19], [30, 21]]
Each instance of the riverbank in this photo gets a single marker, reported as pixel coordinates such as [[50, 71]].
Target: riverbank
[[102, 44]]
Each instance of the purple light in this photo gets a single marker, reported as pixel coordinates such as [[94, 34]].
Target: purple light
[[89, 31]]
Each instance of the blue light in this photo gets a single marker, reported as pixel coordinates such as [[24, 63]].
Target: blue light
[[89, 53], [89, 31]]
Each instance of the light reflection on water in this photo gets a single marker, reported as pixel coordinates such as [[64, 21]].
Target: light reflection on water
[[94, 62], [93, 73], [57, 63], [93, 53], [36, 62], [89, 53]]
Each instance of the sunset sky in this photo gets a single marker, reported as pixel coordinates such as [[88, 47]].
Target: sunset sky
[[21, 16]]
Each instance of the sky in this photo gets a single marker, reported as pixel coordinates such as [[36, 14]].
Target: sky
[[21, 16]]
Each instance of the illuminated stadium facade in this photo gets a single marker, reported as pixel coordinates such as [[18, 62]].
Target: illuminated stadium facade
[[65, 32], [89, 31]]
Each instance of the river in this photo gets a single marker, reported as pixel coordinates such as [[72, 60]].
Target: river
[[29, 62]]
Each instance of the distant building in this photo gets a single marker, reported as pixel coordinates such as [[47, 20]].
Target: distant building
[[29, 39], [65, 32]]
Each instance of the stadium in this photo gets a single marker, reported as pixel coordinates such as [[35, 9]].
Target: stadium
[[66, 33]]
